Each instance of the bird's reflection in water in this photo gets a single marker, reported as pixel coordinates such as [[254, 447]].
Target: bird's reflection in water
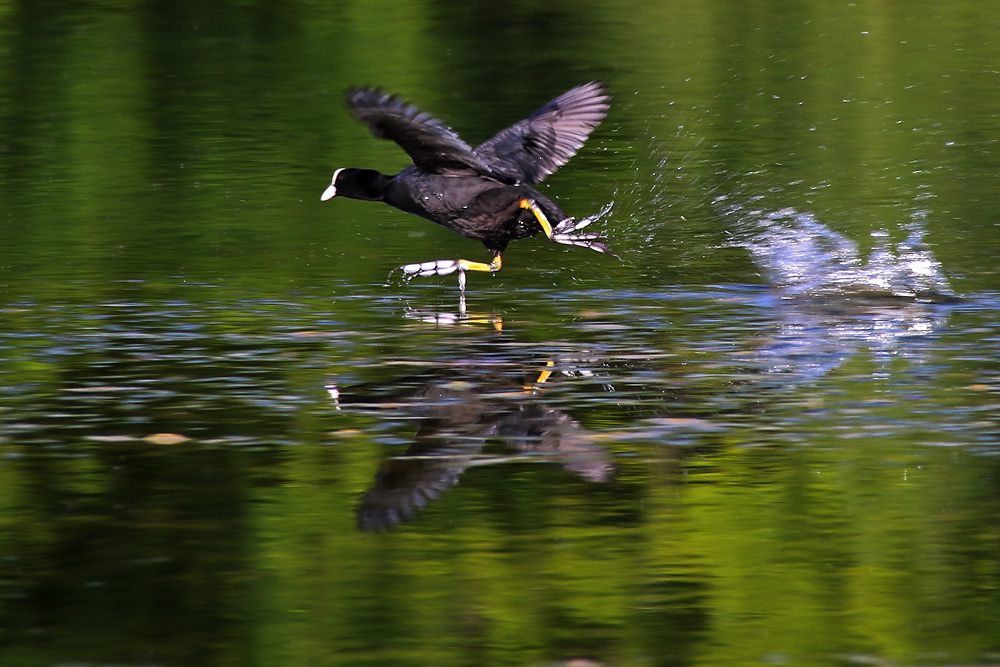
[[460, 408]]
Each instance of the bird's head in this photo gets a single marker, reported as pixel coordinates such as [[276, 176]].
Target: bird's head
[[366, 184], [331, 191]]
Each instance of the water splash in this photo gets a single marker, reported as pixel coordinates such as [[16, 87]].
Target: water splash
[[801, 256], [833, 299], [667, 184]]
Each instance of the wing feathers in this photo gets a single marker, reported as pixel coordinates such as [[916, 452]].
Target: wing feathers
[[532, 149], [433, 146], [526, 152]]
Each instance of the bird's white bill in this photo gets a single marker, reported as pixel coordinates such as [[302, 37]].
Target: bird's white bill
[[331, 191]]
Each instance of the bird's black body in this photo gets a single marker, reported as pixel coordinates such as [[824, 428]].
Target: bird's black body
[[479, 208], [484, 193]]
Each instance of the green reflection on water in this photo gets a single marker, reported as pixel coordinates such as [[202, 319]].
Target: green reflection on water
[[819, 520]]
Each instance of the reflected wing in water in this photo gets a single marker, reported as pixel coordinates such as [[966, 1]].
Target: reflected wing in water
[[404, 486], [540, 430]]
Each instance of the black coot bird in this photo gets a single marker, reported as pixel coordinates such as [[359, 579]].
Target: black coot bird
[[483, 193]]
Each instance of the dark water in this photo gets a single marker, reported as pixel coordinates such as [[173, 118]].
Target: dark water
[[767, 434]]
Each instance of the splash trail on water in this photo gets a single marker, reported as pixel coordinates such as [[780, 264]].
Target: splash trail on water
[[801, 256]]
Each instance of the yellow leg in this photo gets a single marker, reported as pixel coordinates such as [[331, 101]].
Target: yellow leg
[[542, 377], [465, 265], [444, 267], [539, 215], [492, 267]]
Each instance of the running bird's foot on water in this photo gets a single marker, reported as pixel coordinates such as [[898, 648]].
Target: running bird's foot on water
[[565, 231], [446, 267]]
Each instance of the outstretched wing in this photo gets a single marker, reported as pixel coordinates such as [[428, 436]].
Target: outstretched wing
[[532, 149], [433, 146]]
